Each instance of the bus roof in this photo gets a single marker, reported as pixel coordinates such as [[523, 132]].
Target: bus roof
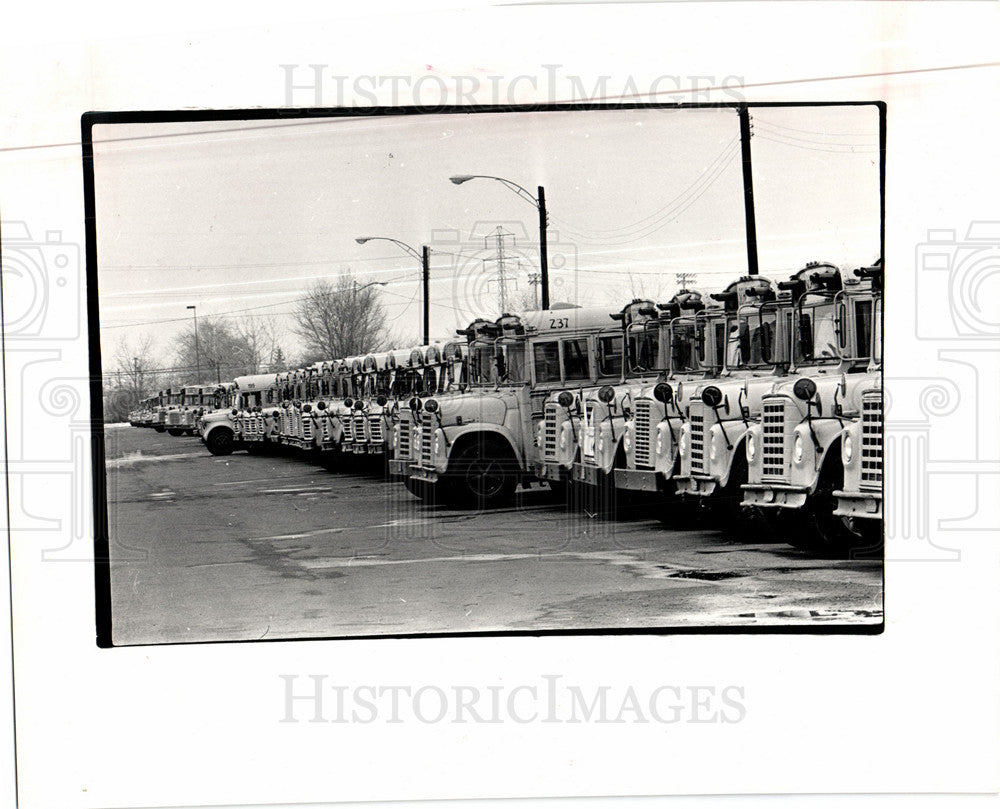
[[255, 382], [553, 321]]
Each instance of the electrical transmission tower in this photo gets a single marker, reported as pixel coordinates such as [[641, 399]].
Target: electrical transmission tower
[[503, 262], [535, 279]]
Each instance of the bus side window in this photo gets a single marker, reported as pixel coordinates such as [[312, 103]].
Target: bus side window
[[546, 359], [576, 359]]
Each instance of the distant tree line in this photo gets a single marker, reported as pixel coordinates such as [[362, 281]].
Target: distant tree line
[[332, 320]]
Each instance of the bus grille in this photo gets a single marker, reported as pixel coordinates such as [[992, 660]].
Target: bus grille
[[696, 419], [307, 428], [425, 440], [359, 428], [404, 436], [375, 425], [348, 429], [590, 431], [871, 441], [643, 456], [772, 452], [551, 430]]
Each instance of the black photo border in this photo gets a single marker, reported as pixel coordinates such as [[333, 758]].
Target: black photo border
[[102, 559]]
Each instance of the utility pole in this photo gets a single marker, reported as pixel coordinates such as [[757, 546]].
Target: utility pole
[[684, 279], [746, 131], [543, 245], [197, 353], [426, 261]]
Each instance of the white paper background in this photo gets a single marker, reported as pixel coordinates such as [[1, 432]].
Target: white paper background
[[912, 710]]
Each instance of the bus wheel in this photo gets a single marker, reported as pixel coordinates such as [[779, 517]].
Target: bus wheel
[[160, 429], [824, 533], [220, 441], [483, 477], [174, 432], [560, 491], [417, 488]]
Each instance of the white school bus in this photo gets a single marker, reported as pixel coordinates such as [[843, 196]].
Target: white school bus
[[650, 443], [253, 421], [747, 349], [477, 447], [369, 420], [796, 453], [432, 372]]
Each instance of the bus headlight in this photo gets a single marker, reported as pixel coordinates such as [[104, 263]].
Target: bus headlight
[[437, 443], [847, 449], [659, 442], [713, 449], [798, 449], [751, 448], [683, 444], [563, 438], [627, 440]]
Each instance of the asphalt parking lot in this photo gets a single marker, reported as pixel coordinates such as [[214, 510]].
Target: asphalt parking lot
[[245, 547]]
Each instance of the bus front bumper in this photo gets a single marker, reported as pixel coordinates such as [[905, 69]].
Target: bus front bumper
[[637, 480], [859, 504], [774, 495]]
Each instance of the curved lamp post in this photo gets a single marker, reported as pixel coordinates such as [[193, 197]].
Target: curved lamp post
[[543, 221], [424, 258]]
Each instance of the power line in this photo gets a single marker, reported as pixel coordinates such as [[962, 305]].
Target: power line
[[705, 181], [665, 212]]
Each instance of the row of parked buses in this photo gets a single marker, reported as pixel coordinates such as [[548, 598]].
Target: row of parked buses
[[176, 410], [761, 404]]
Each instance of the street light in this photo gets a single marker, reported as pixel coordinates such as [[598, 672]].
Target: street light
[[358, 289], [424, 258], [543, 221], [197, 356]]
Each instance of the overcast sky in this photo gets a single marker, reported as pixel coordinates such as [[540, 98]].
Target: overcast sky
[[238, 218]]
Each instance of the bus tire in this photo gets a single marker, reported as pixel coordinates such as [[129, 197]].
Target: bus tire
[[481, 475], [220, 441]]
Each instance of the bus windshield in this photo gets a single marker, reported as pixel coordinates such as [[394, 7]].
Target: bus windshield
[[817, 334], [683, 356], [863, 328], [643, 350], [751, 339], [510, 362], [710, 338], [877, 333]]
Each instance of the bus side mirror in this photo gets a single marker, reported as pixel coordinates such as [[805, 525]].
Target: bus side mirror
[[838, 324]]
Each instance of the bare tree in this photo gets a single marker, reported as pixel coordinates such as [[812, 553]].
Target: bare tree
[[260, 335], [340, 320], [645, 286], [219, 353], [135, 364]]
